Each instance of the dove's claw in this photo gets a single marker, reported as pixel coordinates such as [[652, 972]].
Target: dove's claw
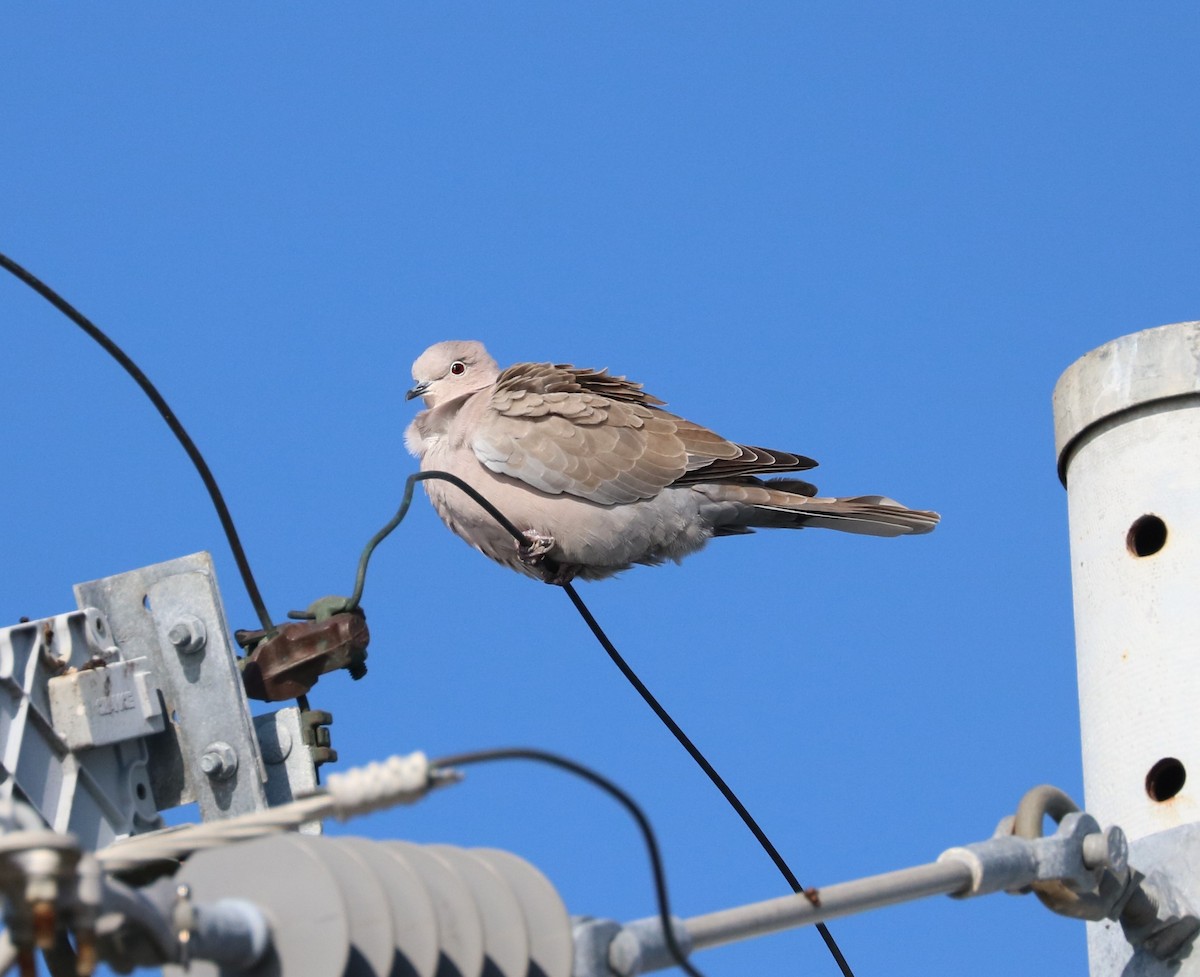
[[533, 551]]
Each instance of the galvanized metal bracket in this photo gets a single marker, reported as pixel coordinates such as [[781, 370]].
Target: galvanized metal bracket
[[291, 772], [171, 614]]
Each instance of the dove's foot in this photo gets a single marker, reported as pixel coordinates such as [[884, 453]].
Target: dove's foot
[[533, 552], [557, 575]]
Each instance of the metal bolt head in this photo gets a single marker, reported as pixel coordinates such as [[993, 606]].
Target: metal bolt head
[[187, 634], [273, 739], [219, 761], [1106, 849]]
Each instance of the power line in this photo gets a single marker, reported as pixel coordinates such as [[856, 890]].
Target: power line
[[718, 781], [168, 415], [643, 823]]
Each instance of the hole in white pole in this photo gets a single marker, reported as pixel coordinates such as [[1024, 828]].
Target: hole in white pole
[[1146, 536], [1165, 779]]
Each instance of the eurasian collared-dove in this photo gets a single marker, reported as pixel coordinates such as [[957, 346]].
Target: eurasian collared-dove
[[597, 475]]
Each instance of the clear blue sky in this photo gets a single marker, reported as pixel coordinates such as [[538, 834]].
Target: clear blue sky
[[872, 233]]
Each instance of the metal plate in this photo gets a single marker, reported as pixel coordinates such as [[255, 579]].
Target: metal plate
[[414, 925], [310, 931], [205, 700], [551, 948], [290, 769], [372, 942], [460, 930], [505, 932]]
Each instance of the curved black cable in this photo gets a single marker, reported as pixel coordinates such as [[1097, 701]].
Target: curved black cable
[[624, 799], [364, 560], [631, 676], [694, 752], [405, 502], [181, 435]]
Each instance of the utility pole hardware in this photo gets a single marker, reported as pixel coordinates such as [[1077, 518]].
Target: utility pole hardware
[[138, 701]]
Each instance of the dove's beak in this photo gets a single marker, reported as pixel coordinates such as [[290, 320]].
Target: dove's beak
[[417, 391]]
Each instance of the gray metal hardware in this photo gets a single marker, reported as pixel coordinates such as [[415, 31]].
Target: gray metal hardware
[[171, 614], [78, 756], [110, 703], [291, 772], [188, 634], [219, 761], [1088, 864]]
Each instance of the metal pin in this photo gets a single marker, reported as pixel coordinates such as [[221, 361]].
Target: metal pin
[[85, 953], [44, 923], [183, 917]]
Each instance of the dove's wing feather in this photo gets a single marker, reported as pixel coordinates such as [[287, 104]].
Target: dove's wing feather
[[602, 438], [711, 457], [604, 448]]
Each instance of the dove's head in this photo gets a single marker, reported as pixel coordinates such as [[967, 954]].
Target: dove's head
[[451, 370]]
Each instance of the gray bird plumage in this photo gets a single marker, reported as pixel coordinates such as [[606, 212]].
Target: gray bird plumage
[[598, 475]]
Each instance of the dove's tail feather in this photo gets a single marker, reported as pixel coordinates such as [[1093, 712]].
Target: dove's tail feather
[[774, 504]]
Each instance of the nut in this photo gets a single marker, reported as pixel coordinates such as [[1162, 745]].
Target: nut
[[187, 634]]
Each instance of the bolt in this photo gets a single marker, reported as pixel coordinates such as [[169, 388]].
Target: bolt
[[1106, 849], [274, 741], [219, 761], [45, 924], [86, 955], [187, 634], [183, 919]]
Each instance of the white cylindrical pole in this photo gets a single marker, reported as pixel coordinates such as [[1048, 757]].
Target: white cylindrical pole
[[1127, 433]]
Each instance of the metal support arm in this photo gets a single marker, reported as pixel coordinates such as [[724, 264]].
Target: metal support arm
[[1080, 871]]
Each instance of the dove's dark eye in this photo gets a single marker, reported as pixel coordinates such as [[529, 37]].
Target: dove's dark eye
[[458, 368]]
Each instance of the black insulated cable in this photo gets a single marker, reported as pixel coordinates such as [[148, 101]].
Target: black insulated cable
[[717, 780], [623, 798], [168, 415]]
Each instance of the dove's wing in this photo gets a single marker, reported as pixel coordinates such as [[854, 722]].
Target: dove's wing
[[602, 438]]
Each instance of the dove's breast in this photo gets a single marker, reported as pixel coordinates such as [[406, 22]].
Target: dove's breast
[[598, 539]]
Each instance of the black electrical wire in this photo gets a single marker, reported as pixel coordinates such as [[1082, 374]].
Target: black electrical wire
[[624, 799], [631, 676], [409, 484], [708, 768], [206, 476]]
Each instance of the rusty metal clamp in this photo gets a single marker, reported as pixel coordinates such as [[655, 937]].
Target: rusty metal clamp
[[286, 662]]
